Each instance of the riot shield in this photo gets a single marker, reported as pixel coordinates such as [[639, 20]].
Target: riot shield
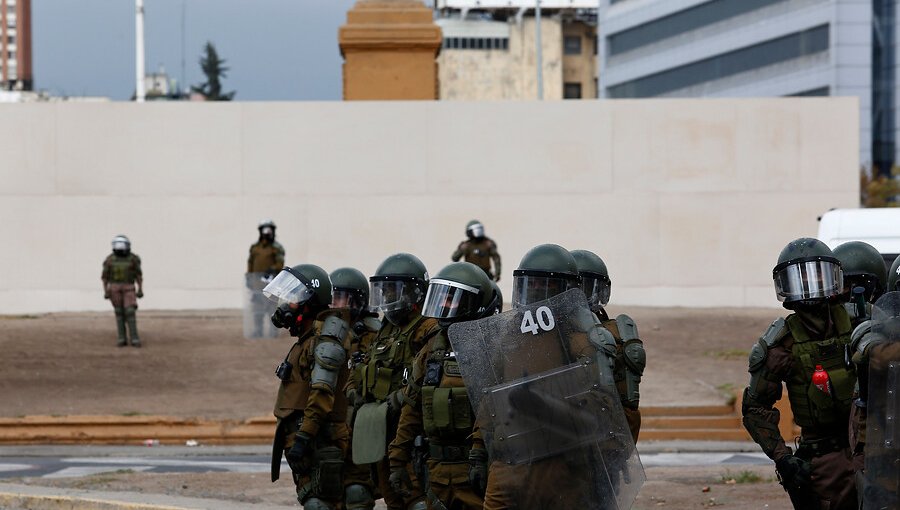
[[257, 309], [547, 408], [882, 474]]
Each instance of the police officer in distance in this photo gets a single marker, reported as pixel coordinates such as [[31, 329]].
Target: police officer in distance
[[266, 254], [450, 458], [397, 290], [265, 260], [350, 290], [121, 271], [815, 337], [479, 250], [630, 357], [311, 408]]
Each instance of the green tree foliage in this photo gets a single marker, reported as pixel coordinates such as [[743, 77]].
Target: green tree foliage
[[879, 190], [214, 69]]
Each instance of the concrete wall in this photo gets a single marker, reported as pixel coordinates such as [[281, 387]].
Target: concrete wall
[[688, 201]]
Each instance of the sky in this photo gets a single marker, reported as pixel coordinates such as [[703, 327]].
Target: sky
[[275, 49]]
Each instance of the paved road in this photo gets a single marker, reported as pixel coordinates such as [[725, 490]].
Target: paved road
[[74, 461]]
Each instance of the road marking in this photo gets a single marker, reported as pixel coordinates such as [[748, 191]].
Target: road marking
[[17, 467], [71, 472]]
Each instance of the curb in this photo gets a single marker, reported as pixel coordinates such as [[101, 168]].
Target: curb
[[43, 502]]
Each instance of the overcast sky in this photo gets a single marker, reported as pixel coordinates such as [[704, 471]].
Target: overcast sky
[[275, 49]]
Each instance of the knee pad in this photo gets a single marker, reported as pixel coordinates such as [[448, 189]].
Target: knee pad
[[418, 505], [359, 497], [120, 312], [316, 504], [130, 312]]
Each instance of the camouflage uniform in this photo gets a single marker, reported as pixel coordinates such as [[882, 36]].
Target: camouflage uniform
[[382, 377], [265, 257], [120, 273], [789, 352], [479, 251], [316, 411], [448, 422]]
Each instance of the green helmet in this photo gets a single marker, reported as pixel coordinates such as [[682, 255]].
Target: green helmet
[[474, 229], [545, 271], [807, 270], [299, 285], [595, 280], [894, 276], [863, 266], [398, 286], [349, 289], [459, 292]]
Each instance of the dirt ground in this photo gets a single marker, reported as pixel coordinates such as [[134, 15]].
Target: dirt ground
[[196, 364]]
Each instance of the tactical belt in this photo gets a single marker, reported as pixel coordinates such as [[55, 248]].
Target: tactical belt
[[448, 453], [811, 448]]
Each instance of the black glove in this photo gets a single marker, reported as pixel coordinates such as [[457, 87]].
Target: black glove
[[478, 470], [295, 455], [395, 403], [793, 471], [140, 293], [400, 482]]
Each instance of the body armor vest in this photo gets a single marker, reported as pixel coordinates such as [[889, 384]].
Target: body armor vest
[[122, 269], [812, 407], [389, 360], [447, 414]]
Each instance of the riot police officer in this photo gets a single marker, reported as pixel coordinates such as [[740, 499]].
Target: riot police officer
[[397, 290], [568, 477], [310, 408], [479, 250], [121, 271], [864, 278], [265, 260], [808, 351], [436, 432], [350, 290], [630, 357]]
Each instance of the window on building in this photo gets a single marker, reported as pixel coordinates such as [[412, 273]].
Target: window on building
[[476, 43], [596, 43], [799, 44], [572, 91], [680, 22], [572, 45]]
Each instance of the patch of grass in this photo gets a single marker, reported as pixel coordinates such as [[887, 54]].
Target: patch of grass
[[744, 476], [728, 391], [132, 413], [728, 354], [18, 317]]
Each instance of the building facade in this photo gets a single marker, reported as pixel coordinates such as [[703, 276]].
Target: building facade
[[752, 48], [489, 49], [15, 45]]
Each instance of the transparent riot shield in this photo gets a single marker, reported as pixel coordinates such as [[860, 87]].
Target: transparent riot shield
[[882, 450], [547, 408], [257, 309]]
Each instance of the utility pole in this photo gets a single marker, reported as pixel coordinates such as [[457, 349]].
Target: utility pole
[[139, 50], [540, 50]]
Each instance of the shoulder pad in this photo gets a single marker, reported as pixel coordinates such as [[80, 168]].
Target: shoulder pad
[[775, 333], [602, 339], [757, 356], [627, 328], [862, 330], [372, 324], [330, 355], [278, 246], [334, 324]]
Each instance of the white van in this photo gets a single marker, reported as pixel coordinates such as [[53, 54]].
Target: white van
[[879, 227]]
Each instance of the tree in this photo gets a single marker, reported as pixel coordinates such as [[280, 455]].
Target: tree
[[214, 69]]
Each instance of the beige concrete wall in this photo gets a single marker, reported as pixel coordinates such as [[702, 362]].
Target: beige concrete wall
[[688, 201], [505, 74]]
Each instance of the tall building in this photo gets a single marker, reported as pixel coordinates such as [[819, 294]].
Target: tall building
[[743, 48], [489, 49], [15, 45]]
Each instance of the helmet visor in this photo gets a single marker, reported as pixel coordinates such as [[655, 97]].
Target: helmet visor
[[287, 288], [529, 289], [810, 279], [596, 289], [347, 298], [446, 299], [476, 230], [120, 244], [388, 295]]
